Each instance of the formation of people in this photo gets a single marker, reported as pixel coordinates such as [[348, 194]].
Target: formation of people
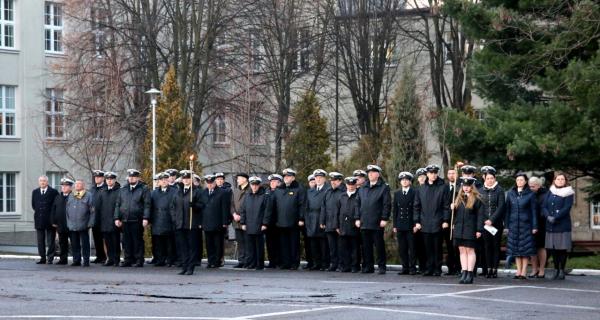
[[340, 219]]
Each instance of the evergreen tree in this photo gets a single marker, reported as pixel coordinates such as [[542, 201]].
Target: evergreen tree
[[540, 69], [407, 149], [307, 147], [174, 136]]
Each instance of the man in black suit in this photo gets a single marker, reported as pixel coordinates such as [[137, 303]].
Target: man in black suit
[[95, 191], [215, 219], [402, 210], [42, 199]]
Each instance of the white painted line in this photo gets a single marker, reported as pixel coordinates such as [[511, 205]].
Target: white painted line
[[561, 289], [564, 306], [423, 313], [352, 282], [104, 317], [469, 291], [283, 313]]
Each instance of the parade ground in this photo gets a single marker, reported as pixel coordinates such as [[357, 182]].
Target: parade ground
[[30, 291]]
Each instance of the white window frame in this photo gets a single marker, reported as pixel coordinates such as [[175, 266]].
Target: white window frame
[[4, 110], [4, 192], [256, 54], [302, 51], [594, 211], [99, 21], [56, 45], [5, 23], [54, 178], [54, 99]]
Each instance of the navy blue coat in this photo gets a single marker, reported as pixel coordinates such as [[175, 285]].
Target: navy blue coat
[[521, 220], [162, 205], [559, 208], [255, 211], [289, 205], [375, 205], [348, 213], [314, 203], [329, 209], [42, 207]]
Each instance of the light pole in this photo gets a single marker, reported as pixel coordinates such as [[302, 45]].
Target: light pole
[[153, 95]]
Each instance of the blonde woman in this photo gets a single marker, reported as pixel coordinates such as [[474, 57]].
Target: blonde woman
[[468, 226]]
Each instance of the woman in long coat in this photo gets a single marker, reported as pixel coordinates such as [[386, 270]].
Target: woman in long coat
[[521, 223]]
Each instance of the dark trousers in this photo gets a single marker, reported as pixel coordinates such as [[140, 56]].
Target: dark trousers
[[319, 251], [289, 246], [420, 251], [255, 250], [452, 255], [46, 236], [80, 244], [406, 250], [272, 240], [187, 246], [221, 246], [433, 249], [113, 246], [349, 253], [492, 248], [310, 260], [480, 261], [214, 242], [99, 243], [373, 238], [164, 248], [241, 239], [63, 245], [332, 242], [200, 246], [133, 242]]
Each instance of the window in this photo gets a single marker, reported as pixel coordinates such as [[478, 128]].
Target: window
[[479, 114], [7, 24], [99, 21], [7, 112], [301, 60], [8, 193], [220, 131], [54, 178], [448, 47], [55, 114], [53, 26], [255, 51], [595, 214]]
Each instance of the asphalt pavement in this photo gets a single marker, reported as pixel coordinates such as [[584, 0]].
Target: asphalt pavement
[[30, 291]]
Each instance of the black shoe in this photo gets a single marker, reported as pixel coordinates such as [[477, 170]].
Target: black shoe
[[561, 274], [182, 272], [412, 272], [109, 263], [153, 261], [332, 268], [210, 266], [403, 272], [189, 272], [62, 262], [381, 271], [250, 267], [428, 274], [96, 261], [139, 265], [368, 271], [76, 264], [125, 264], [469, 278], [495, 274], [463, 277], [345, 270], [86, 263], [239, 266], [533, 275], [160, 264], [307, 266], [437, 274], [354, 270], [50, 261], [271, 266], [43, 261], [259, 268]]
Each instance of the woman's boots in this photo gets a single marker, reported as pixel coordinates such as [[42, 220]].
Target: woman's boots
[[466, 277]]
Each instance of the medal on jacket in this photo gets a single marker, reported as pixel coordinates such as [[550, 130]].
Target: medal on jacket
[[291, 193]]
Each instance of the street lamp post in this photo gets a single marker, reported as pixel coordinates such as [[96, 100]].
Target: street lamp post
[[153, 95]]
